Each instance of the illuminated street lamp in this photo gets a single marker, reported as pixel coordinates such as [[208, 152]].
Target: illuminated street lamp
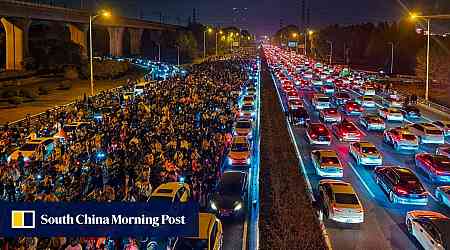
[[105, 14], [209, 30], [414, 17]]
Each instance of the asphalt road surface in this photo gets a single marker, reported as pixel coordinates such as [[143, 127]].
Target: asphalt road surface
[[383, 226]]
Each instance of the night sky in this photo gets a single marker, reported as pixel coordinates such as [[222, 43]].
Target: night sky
[[263, 16]]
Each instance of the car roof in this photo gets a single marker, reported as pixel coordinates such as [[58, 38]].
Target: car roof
[[366, 144], [168, 189], [240, 139], [327, 153], [233, 177], [338, 186]]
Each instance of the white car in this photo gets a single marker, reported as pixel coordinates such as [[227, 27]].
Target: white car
[[321, 101], [30, 150], [340, 201], [444, 125], [442, 194], [366, 101], [443, 150], [431, 229], [427, 133], [365, 153], [391, 114]]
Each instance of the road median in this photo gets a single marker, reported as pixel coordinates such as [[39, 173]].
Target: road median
[[287, 218]]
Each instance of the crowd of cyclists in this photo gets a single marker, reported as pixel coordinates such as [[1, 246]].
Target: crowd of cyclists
[[120, 145]]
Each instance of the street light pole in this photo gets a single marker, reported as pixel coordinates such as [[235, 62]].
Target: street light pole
[[331, 51], [90, 55], [204, 44], [392, 57], [304, 52], [428, 60], [159, 52], [178, 56]]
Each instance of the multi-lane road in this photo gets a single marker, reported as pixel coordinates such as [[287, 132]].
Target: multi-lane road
[[383, 226], [240, 233]]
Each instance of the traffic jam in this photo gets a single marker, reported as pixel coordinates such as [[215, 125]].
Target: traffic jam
[[225, 200], [361, 145]]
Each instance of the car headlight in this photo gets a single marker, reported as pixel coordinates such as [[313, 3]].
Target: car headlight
[[230, 161], [238, 207], [213, 205], [248, 161], [242, 113]]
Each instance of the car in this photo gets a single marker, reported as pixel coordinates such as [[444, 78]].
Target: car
[[248, 100], [73, 127], [298, 116], [230, 194], [352, 108], [340, 98], [317, 134], [444, 126], [427, 133], [251, 91], [431, 229], [346, 131], [140, 87], [240, 152], [247, 111], [292, 95], [327, 89], [32, 148], [391, 114], [330, 115], [295, 104], [366, 101], [392, 102], [365, 153], [401, 139], [372, 122], [442, 194], [367, 90], [320, 101], [287, 87], [401, 185], [436, 167], [243, 127], [411, 112], [317, 83], [172, 193], [443, 150], [326, 163], [340, 202], [210, 235]]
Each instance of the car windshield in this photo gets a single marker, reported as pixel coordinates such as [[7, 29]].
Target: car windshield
[[369, 150], [192, 244], [247, 108], [343, 95], [349, 127], [434, 132], [320, 129], [323, 99], [248, 99], [229, 187], [239, 147], [408, 137], [345, 198], [442, 162], [330, 160], [29, 147], [243, 125], [367, 98]]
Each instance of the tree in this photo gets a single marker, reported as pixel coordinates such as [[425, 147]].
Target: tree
[[439, 59], [187, 44]]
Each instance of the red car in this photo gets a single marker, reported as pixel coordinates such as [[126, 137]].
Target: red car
[[292, 95], [317, 133], [287, 87], [347, 131], [352, 108], [437, 167]]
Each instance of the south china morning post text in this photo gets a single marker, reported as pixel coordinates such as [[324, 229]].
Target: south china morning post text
[[114, 219], [42, 219]]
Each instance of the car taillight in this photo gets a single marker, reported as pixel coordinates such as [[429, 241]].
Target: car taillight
[[350, 108], [313, 135], [335, 209], [358, 211], [400, 190]]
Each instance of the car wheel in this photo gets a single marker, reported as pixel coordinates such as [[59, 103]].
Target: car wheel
[[391, 197]]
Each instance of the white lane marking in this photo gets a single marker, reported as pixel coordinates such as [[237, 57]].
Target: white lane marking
[[244, 236], [361, 179]]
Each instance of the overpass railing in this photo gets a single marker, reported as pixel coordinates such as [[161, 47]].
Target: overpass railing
[[41, 5]]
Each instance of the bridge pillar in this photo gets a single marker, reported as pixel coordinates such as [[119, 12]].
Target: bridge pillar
[[135, 41], [116, 41], [16, 41], [78, 35]]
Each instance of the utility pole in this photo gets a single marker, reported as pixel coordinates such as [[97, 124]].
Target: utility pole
[[392, 57]]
